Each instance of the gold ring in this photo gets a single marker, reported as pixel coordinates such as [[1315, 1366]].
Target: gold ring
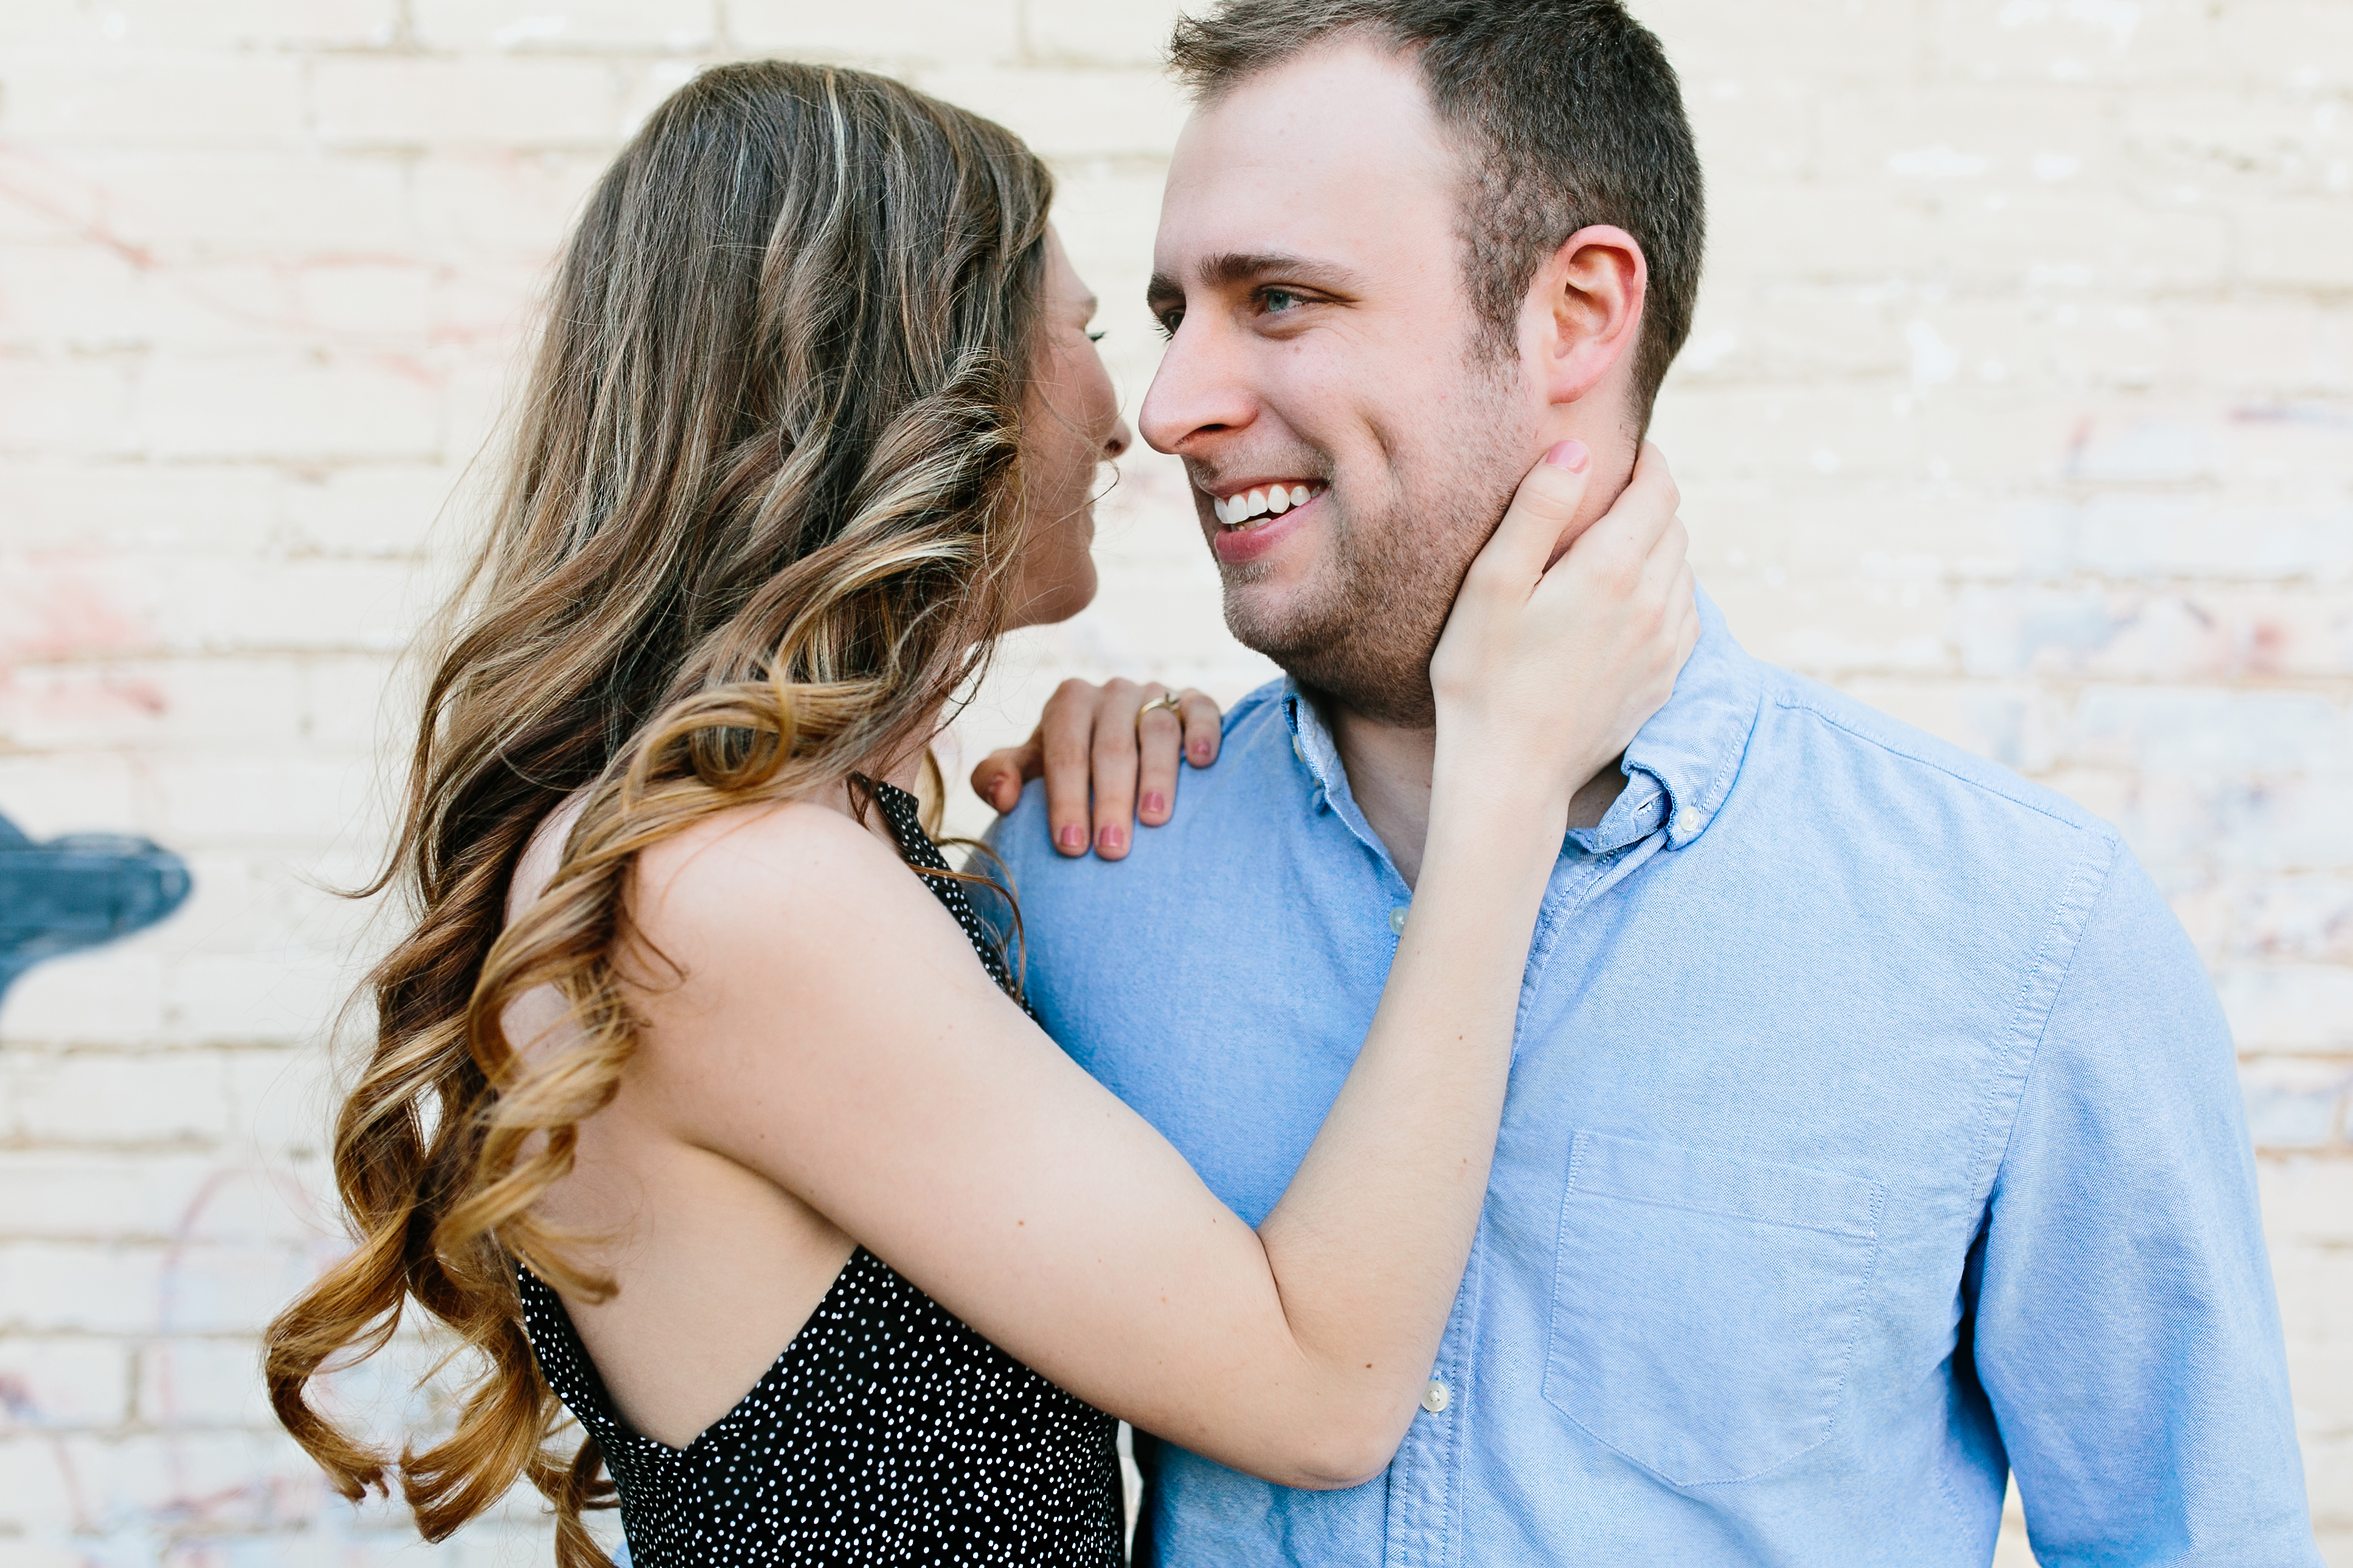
[[1167, 700]]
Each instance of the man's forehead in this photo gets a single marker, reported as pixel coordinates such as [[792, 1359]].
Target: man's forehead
[[1317, 156]]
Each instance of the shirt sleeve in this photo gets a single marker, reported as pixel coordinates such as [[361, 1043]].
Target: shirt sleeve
[[2124, 1327]]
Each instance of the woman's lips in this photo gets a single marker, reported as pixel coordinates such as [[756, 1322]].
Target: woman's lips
[[1237, 545]]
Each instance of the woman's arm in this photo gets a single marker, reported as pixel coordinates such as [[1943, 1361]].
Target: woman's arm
[[833, 1033]]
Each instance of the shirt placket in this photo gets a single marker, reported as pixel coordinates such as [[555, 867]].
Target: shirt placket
[[1423, 1527], [1422, 1480]]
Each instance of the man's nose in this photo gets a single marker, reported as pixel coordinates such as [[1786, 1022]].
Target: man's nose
[[1198, 391]]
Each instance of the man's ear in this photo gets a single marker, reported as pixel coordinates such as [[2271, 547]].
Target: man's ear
[[1584, 312]]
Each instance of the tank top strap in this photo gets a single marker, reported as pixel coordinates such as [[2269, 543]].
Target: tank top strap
[[901, 812]]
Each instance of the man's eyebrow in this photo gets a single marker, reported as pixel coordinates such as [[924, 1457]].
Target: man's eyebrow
[[1232, 268]]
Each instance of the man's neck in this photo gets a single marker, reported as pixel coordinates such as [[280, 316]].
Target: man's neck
[[1390, 768]]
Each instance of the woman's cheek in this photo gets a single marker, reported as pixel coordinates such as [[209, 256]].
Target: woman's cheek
[[1082, 586], [1074, 588]]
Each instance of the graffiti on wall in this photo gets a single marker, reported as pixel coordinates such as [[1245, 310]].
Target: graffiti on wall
[[78, 890]]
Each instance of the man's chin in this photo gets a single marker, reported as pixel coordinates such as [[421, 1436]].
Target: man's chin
[[1265, 614], [1325, 653]]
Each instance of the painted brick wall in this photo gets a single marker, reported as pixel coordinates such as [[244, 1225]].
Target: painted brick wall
[[2021, 404]]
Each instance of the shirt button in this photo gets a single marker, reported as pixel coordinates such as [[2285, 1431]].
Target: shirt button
[[1296, 750], [1436, 1397], [1687, 824], [1396, 919]]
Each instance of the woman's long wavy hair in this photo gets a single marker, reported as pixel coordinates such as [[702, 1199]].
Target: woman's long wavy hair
[[759, 523]]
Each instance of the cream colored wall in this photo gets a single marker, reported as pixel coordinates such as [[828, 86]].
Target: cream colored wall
[[2020, 404]]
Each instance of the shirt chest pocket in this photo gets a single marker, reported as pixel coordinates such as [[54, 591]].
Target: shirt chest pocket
[[1704, 1308]]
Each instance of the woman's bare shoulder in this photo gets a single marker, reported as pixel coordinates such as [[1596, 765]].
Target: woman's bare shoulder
[[698, 863], [777, 949], [794, 878]]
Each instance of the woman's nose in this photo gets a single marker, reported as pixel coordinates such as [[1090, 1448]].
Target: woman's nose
[[1122, 438]]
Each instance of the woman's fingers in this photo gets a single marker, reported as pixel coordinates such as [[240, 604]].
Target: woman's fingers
[[1611, 556], [1160, 746], [1488, 624], [1067, 728], [1166, 737], [1539, 518], [1002, 772], [1581, 646], [1635, 564], [1686, 596], [1615, 544], [1647, 501], [1117, 761], [1107, 762], [1647, 504], [1111, 763], [1204, 727]]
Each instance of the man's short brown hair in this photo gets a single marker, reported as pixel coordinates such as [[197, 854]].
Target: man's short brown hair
[[1569, 114]]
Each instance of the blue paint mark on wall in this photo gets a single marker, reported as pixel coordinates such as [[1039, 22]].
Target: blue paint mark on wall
[[83, 889]]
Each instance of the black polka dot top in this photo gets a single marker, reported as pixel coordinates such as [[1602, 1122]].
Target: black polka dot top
[[887, 1431]]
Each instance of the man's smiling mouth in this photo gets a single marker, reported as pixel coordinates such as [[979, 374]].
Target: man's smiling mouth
[[1252, 508]]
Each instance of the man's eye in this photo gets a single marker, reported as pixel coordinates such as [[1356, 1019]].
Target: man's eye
[[1170, 322], [1277, 300]]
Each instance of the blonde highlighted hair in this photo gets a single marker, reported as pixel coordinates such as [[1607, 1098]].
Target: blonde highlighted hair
[[758, 526]]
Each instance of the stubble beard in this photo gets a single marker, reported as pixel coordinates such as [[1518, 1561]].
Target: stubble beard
[[1361, 631]]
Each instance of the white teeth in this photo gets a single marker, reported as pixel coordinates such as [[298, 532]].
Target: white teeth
[[1251, 506]]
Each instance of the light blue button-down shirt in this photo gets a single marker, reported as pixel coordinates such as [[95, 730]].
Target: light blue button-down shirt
[[1873, 1131]]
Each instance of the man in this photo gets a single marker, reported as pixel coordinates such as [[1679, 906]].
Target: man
[[1874, 1131]]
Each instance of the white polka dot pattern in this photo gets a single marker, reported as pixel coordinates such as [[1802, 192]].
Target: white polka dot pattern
[[900, 813], [888, 1431]]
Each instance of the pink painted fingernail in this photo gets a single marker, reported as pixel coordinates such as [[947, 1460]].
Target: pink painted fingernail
[[1201, 753], [1570, 454], [1071, 837], [1111, 836], [1154, 801]]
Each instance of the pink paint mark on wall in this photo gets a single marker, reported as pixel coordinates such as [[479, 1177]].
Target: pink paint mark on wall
[[54, 613], [56, 621], [24, 1409], [79, 699], [2264, 647], [264, 1499], [67, 198], [2079, 437]]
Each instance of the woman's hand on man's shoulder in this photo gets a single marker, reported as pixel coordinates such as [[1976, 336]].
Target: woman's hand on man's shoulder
[[1110, 756]]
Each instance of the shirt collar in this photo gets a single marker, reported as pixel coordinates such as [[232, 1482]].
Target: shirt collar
[[1679, 768], [1691, 749]]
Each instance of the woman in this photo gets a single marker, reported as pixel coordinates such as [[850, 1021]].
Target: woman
[[696, 1050]]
